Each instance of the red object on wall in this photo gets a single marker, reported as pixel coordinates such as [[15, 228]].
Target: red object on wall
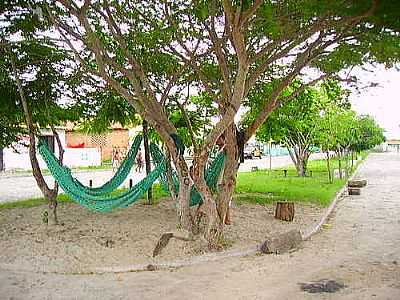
[[81, 145]]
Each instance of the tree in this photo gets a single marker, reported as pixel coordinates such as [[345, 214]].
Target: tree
[[11, 116], [225, 49], [30, 84], [367, 134], [294, 124]]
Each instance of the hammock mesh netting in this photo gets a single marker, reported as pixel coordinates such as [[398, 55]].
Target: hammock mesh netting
[[103, 198]]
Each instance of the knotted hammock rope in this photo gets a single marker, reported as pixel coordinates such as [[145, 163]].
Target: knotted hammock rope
[[103, 200], [99, 202], [120, 175]]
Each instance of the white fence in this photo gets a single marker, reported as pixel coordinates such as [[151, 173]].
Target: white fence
[[82, 157]]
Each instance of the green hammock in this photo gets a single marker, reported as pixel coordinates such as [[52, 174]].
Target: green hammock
[[211, 175], [120, 175], [103, 201]]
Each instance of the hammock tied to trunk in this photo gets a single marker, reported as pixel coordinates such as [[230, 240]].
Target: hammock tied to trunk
[[105, 198]]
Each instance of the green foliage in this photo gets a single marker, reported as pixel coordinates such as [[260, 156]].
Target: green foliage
[[102, 108], [337, 129], [153, 43], [366, 135], [295, 122], [41, 66]]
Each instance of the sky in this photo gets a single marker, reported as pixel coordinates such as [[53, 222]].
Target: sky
[[381, 102]]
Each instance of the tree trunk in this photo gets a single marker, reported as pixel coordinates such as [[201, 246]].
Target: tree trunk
[[228, 177], [170, 179], [352, 159], [340, 166], [1, 160], [299, 156], [49, 194], [358, 183], [354, 191], [147, 158], [328, 165], [301, 167], [284, 211], [183, 197], [214, 226], [52, 199]]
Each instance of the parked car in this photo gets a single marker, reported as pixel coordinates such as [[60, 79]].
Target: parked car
[[251, 152]]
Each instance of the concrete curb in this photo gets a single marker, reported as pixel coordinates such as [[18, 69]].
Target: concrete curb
[[209, 257], [342, 191]]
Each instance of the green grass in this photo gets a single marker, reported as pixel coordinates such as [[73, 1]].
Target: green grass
[[266, 187], [261, 187]]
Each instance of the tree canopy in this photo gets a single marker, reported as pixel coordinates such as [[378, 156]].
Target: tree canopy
[[147, 50], [42, 67]]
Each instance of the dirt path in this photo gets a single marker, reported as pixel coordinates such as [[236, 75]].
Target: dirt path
[[361, 250]]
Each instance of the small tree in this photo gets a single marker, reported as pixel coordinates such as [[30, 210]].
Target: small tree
[[295, 124], [367, 134], [31, 80]]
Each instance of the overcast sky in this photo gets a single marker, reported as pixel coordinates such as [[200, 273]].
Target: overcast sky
[[381, 102]]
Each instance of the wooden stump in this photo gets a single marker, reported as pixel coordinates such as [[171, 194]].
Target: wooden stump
[[254, 169], [354, 191], [357, 183], [282, 242], [284, 211]]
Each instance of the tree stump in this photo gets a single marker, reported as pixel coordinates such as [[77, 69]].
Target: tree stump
[[282, 242], [284, 211], [357, 183], [354, 191], [254, 169]]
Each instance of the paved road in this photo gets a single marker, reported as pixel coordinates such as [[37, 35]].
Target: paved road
[[14, 188], [361, 250]]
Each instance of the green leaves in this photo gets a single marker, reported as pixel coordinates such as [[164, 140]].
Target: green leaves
[[41, 67], [292, 123]]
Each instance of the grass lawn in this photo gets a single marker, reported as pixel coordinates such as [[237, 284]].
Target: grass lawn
[[265, 187]]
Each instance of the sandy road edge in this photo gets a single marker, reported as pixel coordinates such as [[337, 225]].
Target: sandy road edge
[[209, 257]]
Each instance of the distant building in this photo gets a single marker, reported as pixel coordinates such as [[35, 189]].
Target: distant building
[[393, 145], [117, 137]]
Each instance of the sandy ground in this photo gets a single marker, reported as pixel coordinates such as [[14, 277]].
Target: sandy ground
[[87, 240], [360, 249]]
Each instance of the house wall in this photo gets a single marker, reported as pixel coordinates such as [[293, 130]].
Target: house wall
[[117, 138], [17, 157]]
